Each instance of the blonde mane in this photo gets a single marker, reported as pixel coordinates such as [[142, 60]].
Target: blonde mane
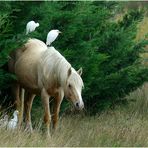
[[53, 68]]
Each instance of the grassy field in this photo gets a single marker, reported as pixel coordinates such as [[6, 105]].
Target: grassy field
[[123, 126]]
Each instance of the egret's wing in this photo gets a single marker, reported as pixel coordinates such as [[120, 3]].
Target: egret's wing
[[12, 124], [9, 124], [30, 27], [51, 37]]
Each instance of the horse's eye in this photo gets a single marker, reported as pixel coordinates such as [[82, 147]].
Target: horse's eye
[[69, 86]]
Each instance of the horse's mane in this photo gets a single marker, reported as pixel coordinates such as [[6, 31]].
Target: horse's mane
[[53, 67]]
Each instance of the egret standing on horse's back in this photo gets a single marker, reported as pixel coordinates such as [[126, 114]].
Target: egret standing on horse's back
[[51, 36], [31, 26]]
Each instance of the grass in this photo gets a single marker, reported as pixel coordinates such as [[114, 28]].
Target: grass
[[123, 126]]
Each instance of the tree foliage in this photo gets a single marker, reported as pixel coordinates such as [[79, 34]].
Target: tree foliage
[[106, 50]]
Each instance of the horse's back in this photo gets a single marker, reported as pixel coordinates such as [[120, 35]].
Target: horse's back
[[35, 44], [26, 65]]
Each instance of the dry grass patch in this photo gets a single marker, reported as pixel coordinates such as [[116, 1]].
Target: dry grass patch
[[143, 28], [119, 127]]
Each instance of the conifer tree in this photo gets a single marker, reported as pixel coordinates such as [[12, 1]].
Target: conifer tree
[[105, 49]]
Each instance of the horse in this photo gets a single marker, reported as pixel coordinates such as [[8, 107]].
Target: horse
[[43, 71]]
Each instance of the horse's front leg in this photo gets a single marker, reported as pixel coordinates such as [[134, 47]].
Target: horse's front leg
[[47, 117], [27, 109], [57, 104]]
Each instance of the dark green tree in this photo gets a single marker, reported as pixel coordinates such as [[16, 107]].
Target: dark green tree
[[9, 41], [105, 49]]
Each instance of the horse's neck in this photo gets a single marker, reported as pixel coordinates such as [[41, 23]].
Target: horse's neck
[[53, 68], [62, 72]]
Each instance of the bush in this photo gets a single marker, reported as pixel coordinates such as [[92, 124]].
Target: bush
[[107, 50]]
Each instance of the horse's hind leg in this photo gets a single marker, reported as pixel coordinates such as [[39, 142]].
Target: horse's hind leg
[[21, 110], [47, 117], [27, 109], [16, 94]]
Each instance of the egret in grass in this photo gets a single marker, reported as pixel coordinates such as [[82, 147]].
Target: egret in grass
[[51, 36], [12, 124], [31, 26]]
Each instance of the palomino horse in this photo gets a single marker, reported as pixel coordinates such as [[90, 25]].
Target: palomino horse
[[44, 71]]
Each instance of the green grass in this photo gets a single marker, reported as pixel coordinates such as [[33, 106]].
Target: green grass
[[123, 126]]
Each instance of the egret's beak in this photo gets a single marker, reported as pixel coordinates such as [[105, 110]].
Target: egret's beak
[[60, 32]]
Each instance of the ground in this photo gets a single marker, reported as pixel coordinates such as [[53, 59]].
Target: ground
[[122, 126]]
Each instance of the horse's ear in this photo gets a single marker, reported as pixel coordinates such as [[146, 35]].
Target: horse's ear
[[80, 71], [69, 71]]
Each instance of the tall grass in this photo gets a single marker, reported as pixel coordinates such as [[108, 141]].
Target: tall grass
[[123, 126]]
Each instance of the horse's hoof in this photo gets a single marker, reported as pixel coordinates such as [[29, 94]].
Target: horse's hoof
[[29, 129]]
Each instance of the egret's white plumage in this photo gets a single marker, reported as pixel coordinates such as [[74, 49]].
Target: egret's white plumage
[[12, 124], [51, 36], [31, 26]]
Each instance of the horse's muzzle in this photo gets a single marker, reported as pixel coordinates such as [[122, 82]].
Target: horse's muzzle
[[79, 105]]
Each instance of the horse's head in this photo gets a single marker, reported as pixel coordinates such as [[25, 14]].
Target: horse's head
[[74, 87]]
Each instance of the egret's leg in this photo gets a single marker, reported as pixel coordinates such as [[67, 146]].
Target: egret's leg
[[47, 117], [27, 109]]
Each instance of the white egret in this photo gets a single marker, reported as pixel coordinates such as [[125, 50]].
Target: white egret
[[12, 124], [51, 36], [31, 26]]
